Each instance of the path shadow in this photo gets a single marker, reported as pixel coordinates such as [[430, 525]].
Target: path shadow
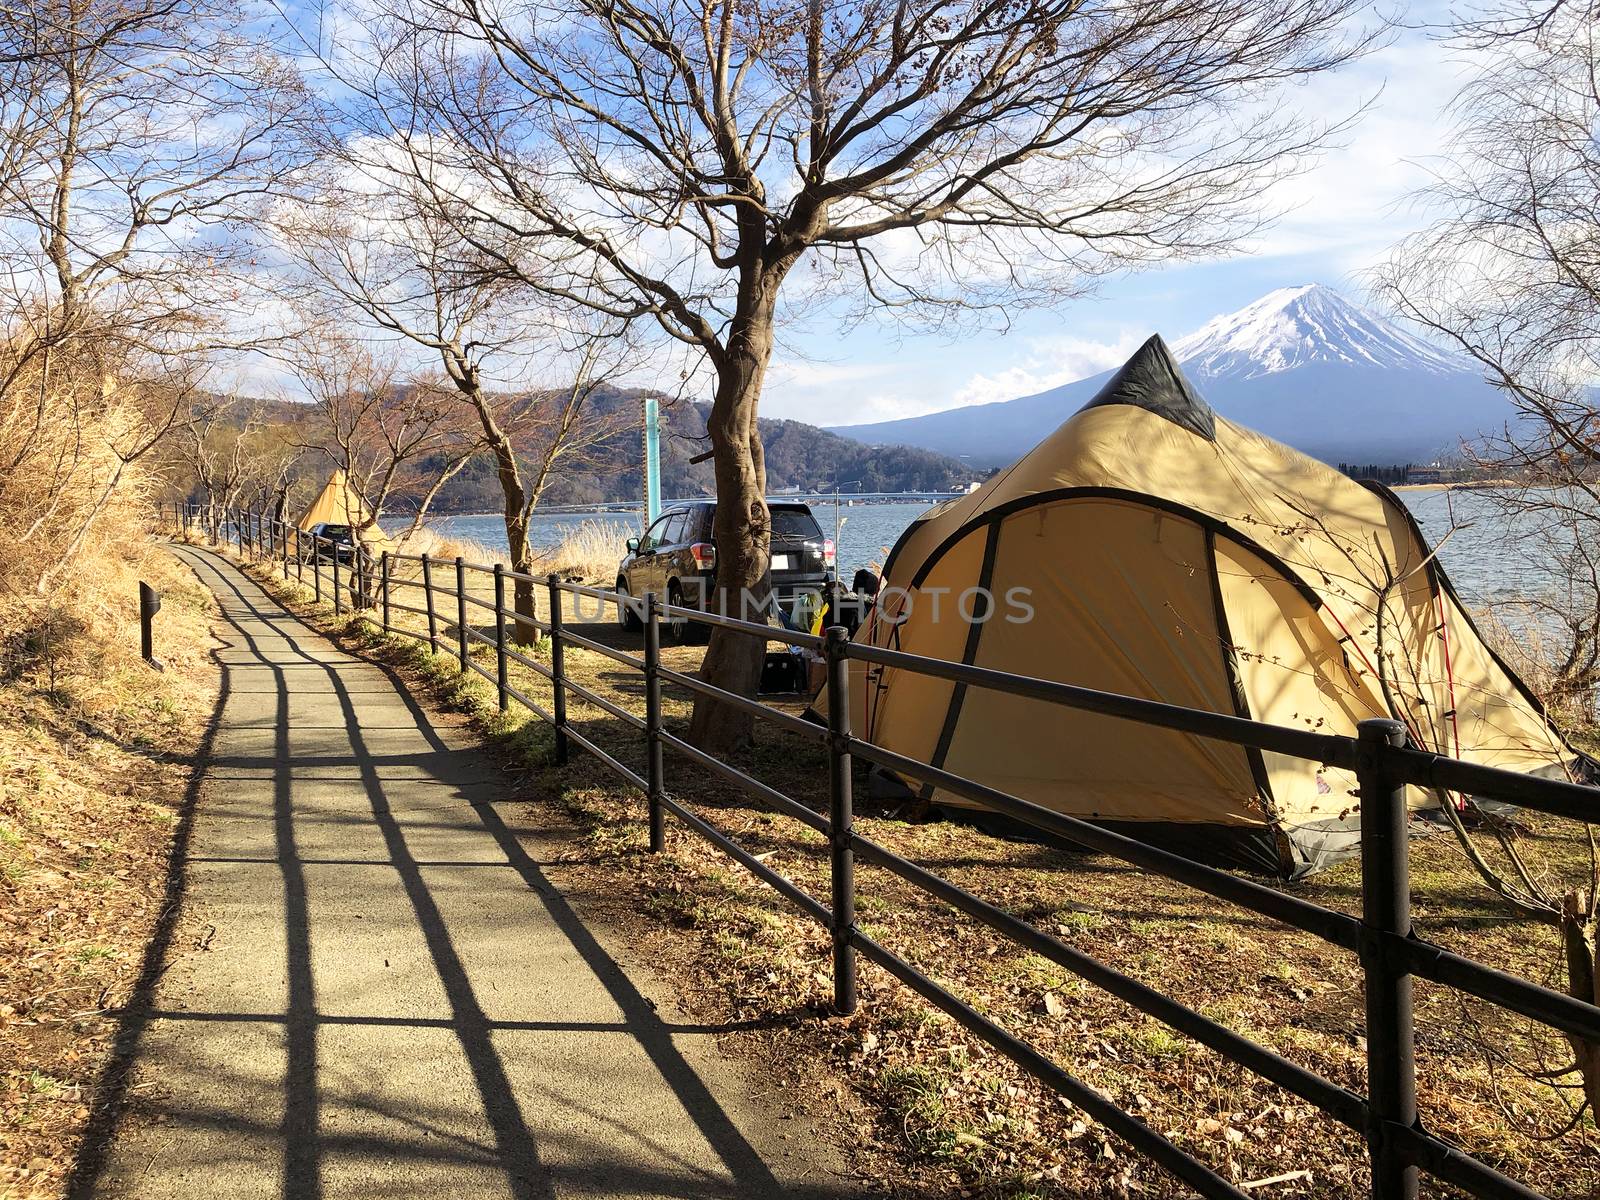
[[253, 621]]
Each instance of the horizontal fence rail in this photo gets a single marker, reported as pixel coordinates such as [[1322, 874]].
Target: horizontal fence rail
[[1390, 954]]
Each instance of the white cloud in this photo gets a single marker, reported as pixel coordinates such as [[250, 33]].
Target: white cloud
[[805, 375], [1050, 363], [889, 406], [871, 390], [1358, 200]]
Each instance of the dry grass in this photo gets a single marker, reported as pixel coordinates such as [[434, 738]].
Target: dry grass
[[959, 1119], [589, 553], [94, 746], [437, 545], [1534, 643]]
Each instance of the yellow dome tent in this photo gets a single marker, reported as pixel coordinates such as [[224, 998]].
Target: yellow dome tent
[[340, 504], [1162, 551]]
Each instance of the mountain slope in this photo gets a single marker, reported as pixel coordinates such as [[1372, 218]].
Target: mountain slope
[[1304, 365]]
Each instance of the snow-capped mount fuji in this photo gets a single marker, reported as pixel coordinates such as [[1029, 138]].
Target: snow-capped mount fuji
[[1302, 364], [1305, 326]]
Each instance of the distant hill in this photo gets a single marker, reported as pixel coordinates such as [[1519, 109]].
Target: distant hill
[[1304, 365], [798, 456]]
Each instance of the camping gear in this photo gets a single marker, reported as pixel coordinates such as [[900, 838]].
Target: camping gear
[[783, 672], [340, 504], [1153, 548]]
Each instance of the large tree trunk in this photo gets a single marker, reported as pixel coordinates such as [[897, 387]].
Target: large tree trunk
[[513, 492], [521, 557], [742, 529]]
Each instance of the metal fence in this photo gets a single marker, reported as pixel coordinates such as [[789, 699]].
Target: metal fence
[[1390, 953]]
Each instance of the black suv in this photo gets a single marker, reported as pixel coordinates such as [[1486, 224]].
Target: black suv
[[323, 541], [675, 560]]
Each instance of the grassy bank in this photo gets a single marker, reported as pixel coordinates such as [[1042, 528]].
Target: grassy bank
[[956, 1119], [95, 748]]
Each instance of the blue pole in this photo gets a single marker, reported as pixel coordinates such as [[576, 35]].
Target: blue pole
[[652, 459]]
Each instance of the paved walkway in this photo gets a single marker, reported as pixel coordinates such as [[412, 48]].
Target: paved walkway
[[375, 992]]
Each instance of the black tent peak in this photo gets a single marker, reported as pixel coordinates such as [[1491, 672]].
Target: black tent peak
[[1153, 381]]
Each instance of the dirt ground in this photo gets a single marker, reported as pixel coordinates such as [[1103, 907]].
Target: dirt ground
[[938, 1113], [96, 752]]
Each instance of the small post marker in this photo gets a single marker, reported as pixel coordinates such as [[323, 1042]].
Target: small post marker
[[149, 606]]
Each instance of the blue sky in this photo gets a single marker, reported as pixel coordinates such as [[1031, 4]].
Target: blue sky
[[1343, 218]]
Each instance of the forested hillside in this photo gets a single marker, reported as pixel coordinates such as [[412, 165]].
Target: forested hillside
[[798, 455]]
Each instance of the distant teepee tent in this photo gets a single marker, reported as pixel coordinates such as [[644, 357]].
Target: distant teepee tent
[[340, 504]]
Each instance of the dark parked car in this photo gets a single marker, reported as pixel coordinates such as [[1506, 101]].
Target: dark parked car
[[675, 560], [314, 543]]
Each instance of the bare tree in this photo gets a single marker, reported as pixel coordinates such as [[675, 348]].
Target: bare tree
[[709, 165], [136, 136], [402, 266], [1510, 274], [278, 458], [393, 437], [1400, 655], [214, 454], [143, 134], [74, 428]]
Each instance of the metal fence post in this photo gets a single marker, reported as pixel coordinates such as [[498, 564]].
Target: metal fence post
[[316, 567], [1386, 909], [500, 634], [655, 766], [338, 600], [383, 587], [840, 822], [427, 600], [461, 611], [558, 672], [283, 545]]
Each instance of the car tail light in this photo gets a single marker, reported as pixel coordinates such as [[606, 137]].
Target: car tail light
[[828, 555], [704, 554]]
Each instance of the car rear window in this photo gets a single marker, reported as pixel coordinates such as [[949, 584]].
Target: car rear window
[[795, 524]]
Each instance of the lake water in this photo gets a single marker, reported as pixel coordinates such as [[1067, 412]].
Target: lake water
[[865, 531], [1483, 562]]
